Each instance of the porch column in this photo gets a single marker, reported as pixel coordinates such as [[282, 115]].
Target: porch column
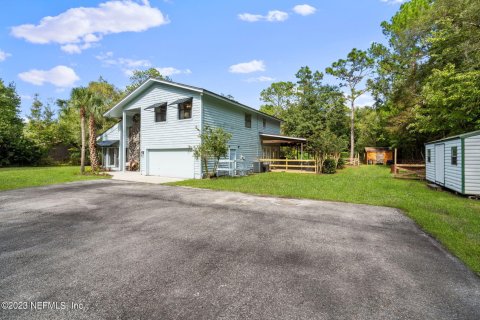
[[123, 153], [301, 151]]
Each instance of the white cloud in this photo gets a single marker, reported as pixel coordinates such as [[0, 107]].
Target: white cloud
[[304, 9], [129, 65], [4, 55], [248, 67], [365, 99], [169, 71], [79, 28], [261, 79], [125, 64], [271, 16], [59, 76], [393, 1]]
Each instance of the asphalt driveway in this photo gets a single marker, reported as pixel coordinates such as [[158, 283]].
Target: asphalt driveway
[[119, 250]]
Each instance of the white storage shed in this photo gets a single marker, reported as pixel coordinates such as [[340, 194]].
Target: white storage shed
[[454, 163]]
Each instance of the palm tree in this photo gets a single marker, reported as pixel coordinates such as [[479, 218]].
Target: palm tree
[[80, 98], [94, 113], [103, 95]]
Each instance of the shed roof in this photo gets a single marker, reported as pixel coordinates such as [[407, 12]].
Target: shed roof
[[458, 136], [375, 149]]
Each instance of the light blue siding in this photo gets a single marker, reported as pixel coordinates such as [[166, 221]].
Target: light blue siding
[[173, 133], [453, 173], [472, 165], [218, 113], [111, 134], [430, 166]]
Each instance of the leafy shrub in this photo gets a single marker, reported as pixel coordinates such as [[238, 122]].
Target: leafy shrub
[[340, 163], [329, 166]]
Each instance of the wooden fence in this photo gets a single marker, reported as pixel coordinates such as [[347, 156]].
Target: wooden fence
[[409, 171], [291, 165]]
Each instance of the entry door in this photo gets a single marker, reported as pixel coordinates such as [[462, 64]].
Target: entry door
[[440, 164]]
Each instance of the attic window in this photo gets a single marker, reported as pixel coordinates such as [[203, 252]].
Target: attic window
[[429, 155], [161, 113], [454, 156], [248, 120], [264, 123]]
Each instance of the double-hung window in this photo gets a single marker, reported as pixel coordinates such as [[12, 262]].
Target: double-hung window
[[185, 110], [161, 113], [454, 156], [248, 120]]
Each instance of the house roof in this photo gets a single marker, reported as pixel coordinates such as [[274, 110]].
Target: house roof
[[458, 136], [107, 143], [132, 95], [277, 138]]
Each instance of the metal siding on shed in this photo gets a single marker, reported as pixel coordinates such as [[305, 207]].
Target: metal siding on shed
[[453, 173], [472, 165], [172, 134], [430, 166], [217, 113]]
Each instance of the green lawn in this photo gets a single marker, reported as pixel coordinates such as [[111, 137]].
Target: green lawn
[[14, 178], [451, 219]]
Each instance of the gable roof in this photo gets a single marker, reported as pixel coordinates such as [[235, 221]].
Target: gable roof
[[135, 93], [458, 136]]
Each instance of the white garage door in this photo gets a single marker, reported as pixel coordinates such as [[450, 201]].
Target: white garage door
[[176, 163]]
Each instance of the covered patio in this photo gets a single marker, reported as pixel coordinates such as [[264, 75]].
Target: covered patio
[[273, 160]]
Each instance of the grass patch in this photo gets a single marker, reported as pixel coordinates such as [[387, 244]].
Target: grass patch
[[15, 178], [451, 219]]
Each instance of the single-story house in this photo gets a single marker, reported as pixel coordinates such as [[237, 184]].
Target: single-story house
[[454, 163], [158, 125], [378, 155]]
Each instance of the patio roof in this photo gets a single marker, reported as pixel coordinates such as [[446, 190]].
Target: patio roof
[[107, 143], [280, 139]]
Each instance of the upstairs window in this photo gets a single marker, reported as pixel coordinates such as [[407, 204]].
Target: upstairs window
[[161, 113], [454, 156], [248, 120], [264, 123], [185, 110], [429, 155]]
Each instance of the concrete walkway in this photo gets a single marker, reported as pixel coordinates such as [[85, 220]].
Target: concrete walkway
[[137, 177]]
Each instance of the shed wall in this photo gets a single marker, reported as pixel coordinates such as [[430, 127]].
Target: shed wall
[[453, 173], [430, 166], [472, 165]]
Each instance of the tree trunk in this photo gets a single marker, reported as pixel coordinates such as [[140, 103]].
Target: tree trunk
[[82, 151], [92, 144], [352, 132]]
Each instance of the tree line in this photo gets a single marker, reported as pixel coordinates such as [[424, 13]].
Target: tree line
[[74, 126], [425, 82]]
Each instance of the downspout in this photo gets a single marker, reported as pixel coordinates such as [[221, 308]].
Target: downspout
[[123, 151], [201, 130]]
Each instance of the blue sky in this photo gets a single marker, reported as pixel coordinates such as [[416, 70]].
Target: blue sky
[[232, 47]]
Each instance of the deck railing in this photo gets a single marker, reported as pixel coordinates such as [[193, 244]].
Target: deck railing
[[291, 165]]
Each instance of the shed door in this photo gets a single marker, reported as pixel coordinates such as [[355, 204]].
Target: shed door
[[175, 163], [440, 164]]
